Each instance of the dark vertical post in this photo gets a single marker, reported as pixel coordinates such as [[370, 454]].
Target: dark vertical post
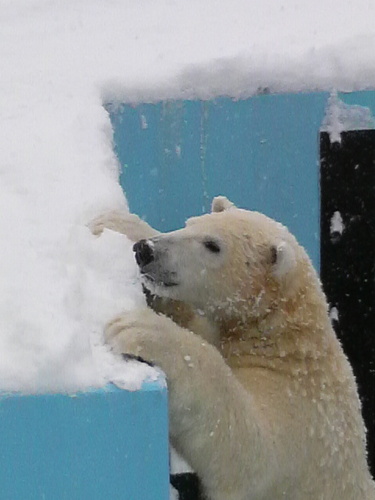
[[348, 255], [188, 486]]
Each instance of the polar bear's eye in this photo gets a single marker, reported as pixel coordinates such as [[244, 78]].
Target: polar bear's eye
[[212, 246]]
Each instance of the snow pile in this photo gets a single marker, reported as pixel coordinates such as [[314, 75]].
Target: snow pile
[[340, 117], [60, 61]]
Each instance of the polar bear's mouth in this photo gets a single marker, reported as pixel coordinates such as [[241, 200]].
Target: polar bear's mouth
[[148, 279]]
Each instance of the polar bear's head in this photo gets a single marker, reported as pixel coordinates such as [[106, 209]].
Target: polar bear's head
[[229, 261]]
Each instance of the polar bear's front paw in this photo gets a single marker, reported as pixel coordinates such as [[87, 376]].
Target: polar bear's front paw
[[140, 333], [139, 322], [118, 325], [123, 222], [108, 220]]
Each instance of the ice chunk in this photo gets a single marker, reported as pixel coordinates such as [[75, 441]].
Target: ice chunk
[[334, 314], [337, 224], [342, 117]]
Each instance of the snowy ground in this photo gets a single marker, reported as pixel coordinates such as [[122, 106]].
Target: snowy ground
[[60, 61]]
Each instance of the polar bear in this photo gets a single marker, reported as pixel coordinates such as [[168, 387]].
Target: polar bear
[[263, 404]]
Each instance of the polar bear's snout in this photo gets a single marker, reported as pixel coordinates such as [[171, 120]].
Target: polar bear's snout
[[144, 252], [152, 262]]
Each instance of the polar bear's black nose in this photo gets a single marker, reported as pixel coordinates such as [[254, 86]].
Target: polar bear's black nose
[[144, 253]]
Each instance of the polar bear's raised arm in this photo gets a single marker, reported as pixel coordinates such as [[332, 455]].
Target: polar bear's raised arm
[[125, 223], [134, 227]]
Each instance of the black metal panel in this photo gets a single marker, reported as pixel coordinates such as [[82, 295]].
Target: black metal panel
[[188, 486], [348, 255]]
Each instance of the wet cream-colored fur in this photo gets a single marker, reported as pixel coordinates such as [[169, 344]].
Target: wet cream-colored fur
[[262, 400]]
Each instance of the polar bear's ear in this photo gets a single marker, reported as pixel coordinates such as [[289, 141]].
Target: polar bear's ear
[[221, 203], [283, 259]]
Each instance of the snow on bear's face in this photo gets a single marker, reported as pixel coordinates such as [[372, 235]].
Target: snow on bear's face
[[234, 262]]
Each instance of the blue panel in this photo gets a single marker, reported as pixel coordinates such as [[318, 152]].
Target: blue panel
[[366, 99], [158, 148], [99, 445], [261, 152]]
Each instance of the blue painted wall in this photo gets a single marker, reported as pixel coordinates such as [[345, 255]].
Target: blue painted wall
[[100, 445], [261, 152], [363, 98]]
